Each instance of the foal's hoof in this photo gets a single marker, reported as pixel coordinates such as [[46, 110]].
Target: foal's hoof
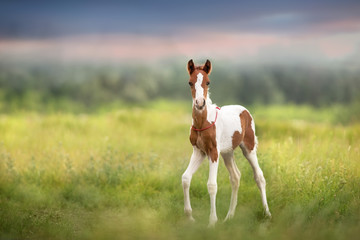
[[268, 215], [188, 214], [212, 223], [228, 217]]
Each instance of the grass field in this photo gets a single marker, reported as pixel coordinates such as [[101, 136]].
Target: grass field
[[117, 175]]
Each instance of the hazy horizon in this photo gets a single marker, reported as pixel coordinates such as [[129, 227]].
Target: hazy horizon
[[280, 31]]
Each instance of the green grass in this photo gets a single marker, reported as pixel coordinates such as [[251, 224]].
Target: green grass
[[117, 175]]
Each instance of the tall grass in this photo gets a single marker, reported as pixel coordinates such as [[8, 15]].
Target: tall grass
[[117, 175]]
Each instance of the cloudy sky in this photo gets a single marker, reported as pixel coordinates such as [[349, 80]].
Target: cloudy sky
[[322, 30]]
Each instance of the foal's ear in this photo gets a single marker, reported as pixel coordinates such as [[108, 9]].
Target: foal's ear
[[190, 66], [207, 67]]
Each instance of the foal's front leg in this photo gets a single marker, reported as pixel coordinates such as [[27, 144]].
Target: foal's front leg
[[212, 184], [195, 161]]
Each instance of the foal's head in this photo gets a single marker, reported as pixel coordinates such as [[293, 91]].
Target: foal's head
[[199, 83]]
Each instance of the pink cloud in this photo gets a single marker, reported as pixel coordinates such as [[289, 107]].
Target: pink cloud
[[338, 26], [189, 44]]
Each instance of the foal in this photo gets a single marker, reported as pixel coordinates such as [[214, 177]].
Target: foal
[[218, 131]]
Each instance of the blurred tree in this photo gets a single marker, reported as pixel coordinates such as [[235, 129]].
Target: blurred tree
[[26, 85]]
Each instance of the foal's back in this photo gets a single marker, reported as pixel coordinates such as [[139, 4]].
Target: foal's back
[[235, 127]]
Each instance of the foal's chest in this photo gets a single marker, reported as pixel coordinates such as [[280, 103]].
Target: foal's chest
[[204, 140]]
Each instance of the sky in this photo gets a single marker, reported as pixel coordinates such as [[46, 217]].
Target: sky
[[322, 30]]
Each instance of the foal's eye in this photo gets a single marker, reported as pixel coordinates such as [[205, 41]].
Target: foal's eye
[[208, 83], [191, 84]]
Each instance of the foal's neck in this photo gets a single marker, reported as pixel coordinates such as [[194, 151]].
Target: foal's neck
[[202, 118]]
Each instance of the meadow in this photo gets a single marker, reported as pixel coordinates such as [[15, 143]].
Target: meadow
[[116, 174]]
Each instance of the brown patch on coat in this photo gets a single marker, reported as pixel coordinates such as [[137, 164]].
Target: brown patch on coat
[[237, 138], [213, 154], [204, 140], [193, 137], [247, 131]]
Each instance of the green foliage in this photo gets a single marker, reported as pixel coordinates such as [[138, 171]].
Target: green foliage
[[117, 174], [79, 87]]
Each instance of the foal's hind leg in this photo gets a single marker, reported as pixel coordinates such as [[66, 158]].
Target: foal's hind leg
[[234, 180], [258, 176]]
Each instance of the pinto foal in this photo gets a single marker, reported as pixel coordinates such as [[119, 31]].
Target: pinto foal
[[218, 131]]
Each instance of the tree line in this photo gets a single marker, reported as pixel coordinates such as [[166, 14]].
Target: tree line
[[27, 85]]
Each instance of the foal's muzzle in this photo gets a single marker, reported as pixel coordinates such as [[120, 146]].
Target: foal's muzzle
[[200, 103]]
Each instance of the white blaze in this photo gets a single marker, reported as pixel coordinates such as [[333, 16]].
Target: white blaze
[[198, 88]]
